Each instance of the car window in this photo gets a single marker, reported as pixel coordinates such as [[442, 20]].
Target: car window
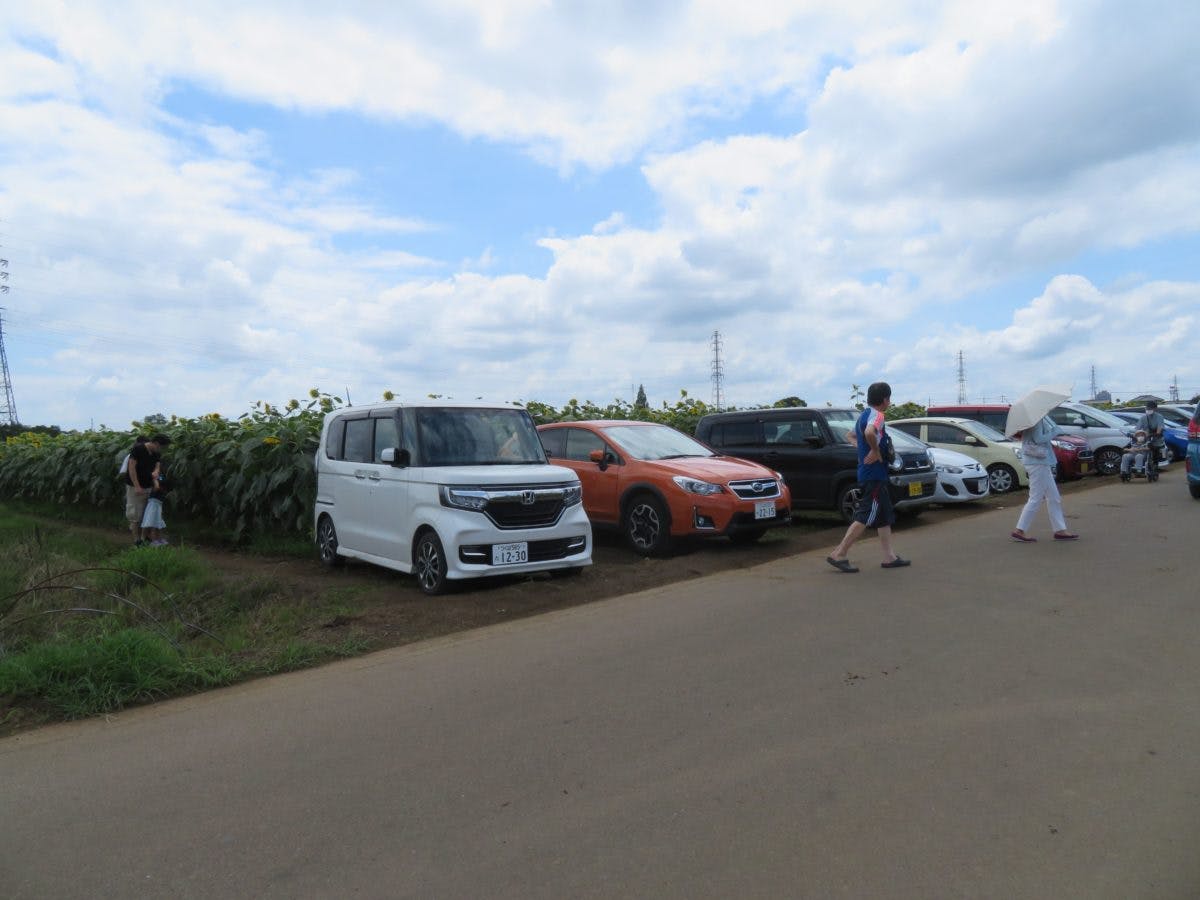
[[941, 433], [789, 431], [359, 442], [386, 435], [730, 434], [904, 441], [651, 442], [580, 443], [465, 436], [909, 428], [1061, 416], [1093, 422], [841, 422], [333, 440], [552, 441]]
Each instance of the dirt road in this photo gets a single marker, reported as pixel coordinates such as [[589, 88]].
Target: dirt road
[[999, 720]]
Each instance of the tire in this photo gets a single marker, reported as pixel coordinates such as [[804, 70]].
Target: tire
[[647, 525], [847, 501], [327, 544], [429, 564], [1194, 489], [747, 537], [1108, 461], [1002, 479]]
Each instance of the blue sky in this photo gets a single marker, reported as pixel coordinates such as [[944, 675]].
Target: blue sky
[[208, 204]]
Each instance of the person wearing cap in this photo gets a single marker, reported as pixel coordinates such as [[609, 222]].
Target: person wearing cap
[[139, 479], [1153, 423]]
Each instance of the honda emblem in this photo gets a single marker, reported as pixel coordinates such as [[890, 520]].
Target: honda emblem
[[527, 498]]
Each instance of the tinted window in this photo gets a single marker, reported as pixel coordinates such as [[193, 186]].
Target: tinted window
[[944, 434], [333, 440], [359, 440], [386, 435], [907, 428], [790, 431], [842, 422], [728, 434], [460, 436], [552, 440], [580, 443]]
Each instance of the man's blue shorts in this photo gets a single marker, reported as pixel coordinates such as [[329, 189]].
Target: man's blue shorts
[[875, 505]]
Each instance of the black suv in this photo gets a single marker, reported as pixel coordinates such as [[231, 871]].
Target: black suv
[[813, 449]]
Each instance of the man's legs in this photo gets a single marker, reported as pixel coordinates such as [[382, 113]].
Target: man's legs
[[853, 533]]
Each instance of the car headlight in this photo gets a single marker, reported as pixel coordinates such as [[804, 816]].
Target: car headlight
[[573, 494], [463, 498], [1017, 450], [1061, 445], [696, 486], [951, 470]]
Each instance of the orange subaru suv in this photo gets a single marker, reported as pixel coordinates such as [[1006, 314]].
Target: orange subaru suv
[[656, 484]]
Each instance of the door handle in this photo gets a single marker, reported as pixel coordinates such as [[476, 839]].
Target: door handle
[[360, 474], [374, 476]]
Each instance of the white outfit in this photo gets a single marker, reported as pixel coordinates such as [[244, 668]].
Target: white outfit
[[1038, 455], [153, 517]]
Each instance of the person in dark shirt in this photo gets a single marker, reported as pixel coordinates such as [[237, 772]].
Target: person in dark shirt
[[139, 479]]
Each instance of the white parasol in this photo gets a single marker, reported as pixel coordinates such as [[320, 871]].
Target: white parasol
[[1030, 409]]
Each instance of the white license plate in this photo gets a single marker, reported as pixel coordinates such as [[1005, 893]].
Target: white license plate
[[510, 554], [764, 509]]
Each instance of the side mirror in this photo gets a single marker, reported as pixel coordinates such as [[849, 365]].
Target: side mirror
[[395, 456], [814, 441], [971, 439], [600, 458]]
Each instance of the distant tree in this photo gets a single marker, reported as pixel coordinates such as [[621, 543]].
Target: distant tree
[[904, 411], [641, 402], [856, 396], [784, 402], [1195, 399], [155, 420]]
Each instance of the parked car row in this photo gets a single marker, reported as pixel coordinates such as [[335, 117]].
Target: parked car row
[[450, 491]]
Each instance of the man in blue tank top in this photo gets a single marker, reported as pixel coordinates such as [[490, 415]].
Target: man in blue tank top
[[875, 505]]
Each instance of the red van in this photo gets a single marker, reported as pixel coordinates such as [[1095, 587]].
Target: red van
[[1074, 456]]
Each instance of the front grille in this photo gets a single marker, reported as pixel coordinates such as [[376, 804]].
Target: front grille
[[509, 512], [975, 485], [539, 551], [758, 489]]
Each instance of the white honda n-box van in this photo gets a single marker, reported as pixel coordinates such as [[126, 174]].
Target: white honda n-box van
[[446, 491]]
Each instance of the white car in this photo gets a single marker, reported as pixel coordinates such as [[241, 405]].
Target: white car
[[446, 491], [960, 478]]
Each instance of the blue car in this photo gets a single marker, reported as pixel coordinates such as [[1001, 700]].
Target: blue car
[[1193, 461]]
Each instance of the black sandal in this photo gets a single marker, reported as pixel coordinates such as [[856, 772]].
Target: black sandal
[[896, 563], [842, 565]]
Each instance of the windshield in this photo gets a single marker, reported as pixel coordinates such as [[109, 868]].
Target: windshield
[[905, 442], [653, 442], [450, 436], [987, 432], [841, 423]]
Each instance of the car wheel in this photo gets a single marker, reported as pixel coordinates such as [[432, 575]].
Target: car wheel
[[429, 564], [647, 525], [1002, 478], [847, 501], [1108, 461], [747, 537], [327, 543], [1195, 490]]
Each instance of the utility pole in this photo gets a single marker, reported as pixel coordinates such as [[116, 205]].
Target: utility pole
[[962, 379], [718, 374], [1094, 391], [8, 406], [1174, 388]]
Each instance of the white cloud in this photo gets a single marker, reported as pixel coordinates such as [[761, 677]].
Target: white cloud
[[938, 154]]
